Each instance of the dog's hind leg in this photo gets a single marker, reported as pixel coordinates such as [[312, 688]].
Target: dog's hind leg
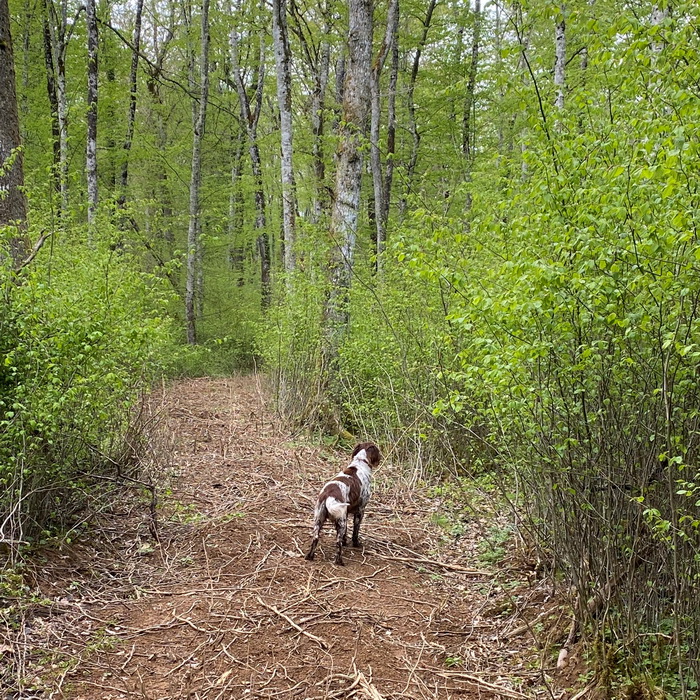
[[320, 516], [341, 526], [356, 522]]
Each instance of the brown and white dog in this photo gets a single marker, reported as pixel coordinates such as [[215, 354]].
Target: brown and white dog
[[346, 494]]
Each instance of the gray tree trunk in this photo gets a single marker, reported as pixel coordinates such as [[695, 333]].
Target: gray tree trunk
[[13, 206], [346, 206], [91, 155], [193, 253], [284, 99], [381, 205]]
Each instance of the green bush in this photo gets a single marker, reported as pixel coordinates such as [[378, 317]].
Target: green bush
[[81, 335]]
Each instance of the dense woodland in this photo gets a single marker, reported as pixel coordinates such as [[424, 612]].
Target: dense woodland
[[466, 229]]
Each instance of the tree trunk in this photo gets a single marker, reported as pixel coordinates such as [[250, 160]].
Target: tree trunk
[[235, 207], [53, 99], [412, 123], [560, 57], [91, 155], [284, 99], [193, 242], [468, 126], [318, 106], [381, 207], [250, 116], [469, 102], [13, 207], [59, 33], [346, 206], [131, 119]]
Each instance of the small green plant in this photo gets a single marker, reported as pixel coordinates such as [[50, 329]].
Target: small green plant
[[492, 549]]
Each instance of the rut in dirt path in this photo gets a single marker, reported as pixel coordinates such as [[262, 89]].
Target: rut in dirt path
[[227, 607]]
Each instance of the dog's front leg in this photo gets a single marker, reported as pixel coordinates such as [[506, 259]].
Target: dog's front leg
[[341, 527]]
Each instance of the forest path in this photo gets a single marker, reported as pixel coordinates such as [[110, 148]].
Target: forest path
[[227, 607]]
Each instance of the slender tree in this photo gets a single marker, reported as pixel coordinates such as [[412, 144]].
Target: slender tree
[[412, 122], [560, 56], [91, 155], [284, 100], [193, 232], [250, 116], [133, 89], [381, 203], [60, 32], [13, 207]]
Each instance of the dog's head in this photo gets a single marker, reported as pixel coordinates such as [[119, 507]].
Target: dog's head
[[374, 456]]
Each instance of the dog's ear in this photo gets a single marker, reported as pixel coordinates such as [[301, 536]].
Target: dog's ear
[[374, 456]]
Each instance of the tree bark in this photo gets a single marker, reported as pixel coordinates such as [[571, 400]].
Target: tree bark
[[91, 154], [13, 206], [284, 100], [346, 206], [193, 233], [381, 205]]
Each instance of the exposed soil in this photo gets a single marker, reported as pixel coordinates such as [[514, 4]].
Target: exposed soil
[[223, 605]]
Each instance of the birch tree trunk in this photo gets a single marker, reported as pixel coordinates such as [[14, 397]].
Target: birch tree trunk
[[346, 206], [284, 99], [131, 119], [560, 57], [13, 207], [91, 155], [193, 256], [381, 205]]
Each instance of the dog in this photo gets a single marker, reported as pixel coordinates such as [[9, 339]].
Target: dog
[[345, 494]]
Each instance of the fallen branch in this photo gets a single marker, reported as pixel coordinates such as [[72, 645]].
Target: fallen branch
[[499, 690], [286, 618], [434, 562]]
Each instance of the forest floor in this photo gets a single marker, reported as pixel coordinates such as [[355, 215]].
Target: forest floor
[[223, 605]]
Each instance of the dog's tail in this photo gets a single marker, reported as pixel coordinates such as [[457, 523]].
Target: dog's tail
[[336, 509]]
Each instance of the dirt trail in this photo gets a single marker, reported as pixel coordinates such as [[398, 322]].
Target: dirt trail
[[226, 607]]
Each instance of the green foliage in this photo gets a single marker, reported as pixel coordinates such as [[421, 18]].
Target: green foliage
[[82, 336]]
